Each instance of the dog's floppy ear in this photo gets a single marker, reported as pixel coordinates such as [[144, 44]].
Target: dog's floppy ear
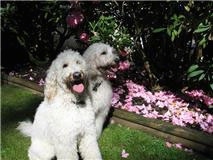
[[50, 87]]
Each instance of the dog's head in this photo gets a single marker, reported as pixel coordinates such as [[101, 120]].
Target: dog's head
[[69, 72], [101, 56]]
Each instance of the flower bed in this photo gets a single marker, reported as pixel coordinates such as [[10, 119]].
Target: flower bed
[[163, 105]]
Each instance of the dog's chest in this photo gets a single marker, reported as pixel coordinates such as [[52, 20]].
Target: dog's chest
[[71, 120]]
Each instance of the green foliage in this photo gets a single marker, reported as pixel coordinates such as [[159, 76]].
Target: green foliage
[[203, 31], [198, 73], [165, 35], [202, 28], [35, 26], [174, 29], [106, 29]]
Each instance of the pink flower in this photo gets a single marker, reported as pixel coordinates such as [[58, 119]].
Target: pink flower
[[208, 100], [41, 82], [31, 78], [168, 144], [124, 65], [178, 145], [75, 18], [84, 37], [115, 98], [124, 154], [12, 73], [201, 96], [209, 119]]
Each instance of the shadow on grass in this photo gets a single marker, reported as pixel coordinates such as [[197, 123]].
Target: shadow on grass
[[19, 112]]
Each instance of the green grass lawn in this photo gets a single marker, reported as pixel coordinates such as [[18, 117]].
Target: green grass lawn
[[18, 104]]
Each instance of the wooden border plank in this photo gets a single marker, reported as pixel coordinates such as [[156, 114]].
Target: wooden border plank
[[184, 132]]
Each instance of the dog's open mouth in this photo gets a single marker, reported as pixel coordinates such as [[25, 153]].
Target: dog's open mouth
[[78, 87], [109, 71], [76, 83]]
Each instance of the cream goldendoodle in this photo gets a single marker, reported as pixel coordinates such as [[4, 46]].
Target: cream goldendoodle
[[100, 57], [64, 122]]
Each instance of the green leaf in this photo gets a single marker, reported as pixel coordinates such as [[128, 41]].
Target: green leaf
[[45, 15], [202, 42], [211, 106], [169, 32], [192, 68], [201, 77], [173, 36], [181, 17], [21, 41], [199, 30], [195, 73], [157, 30], [187, 8], [211, 85], [175, 32], [179, 30]]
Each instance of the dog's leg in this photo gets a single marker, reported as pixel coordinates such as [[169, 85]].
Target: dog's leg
[[40, 150], [99, 121], [67, 151], [88, 147]]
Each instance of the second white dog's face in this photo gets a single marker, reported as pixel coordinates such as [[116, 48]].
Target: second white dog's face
[[71, 72], [106, 57]]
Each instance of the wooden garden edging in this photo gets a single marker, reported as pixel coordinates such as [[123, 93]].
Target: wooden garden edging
[[22, 83], [197, 140], [191, 138]]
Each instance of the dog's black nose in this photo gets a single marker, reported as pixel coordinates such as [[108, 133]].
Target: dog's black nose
[[77, 75]]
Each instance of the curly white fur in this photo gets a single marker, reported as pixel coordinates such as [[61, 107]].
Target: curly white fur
[[99, 56], [62, 126]]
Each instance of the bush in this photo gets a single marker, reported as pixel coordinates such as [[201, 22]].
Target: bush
[[163, 39]]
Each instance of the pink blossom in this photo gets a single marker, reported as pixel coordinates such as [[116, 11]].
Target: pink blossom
[[84, 37], [12, 73], [124, 154], [41, 82], [209, 119], [75, 18], [124, 65], [210, 129], [168, 144], [178, 145], [31, 78], [201, 96]]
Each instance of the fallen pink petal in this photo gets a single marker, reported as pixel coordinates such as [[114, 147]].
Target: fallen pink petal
[[124, 154]]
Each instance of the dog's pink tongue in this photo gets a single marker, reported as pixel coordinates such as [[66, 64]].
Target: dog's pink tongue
[[79, 88]]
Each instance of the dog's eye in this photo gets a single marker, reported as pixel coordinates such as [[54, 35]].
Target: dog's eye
[[65, 65], [78, 62], [103, 53]]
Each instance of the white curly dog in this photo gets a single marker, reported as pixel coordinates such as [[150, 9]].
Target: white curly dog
[[100, 57], [64, 122]]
